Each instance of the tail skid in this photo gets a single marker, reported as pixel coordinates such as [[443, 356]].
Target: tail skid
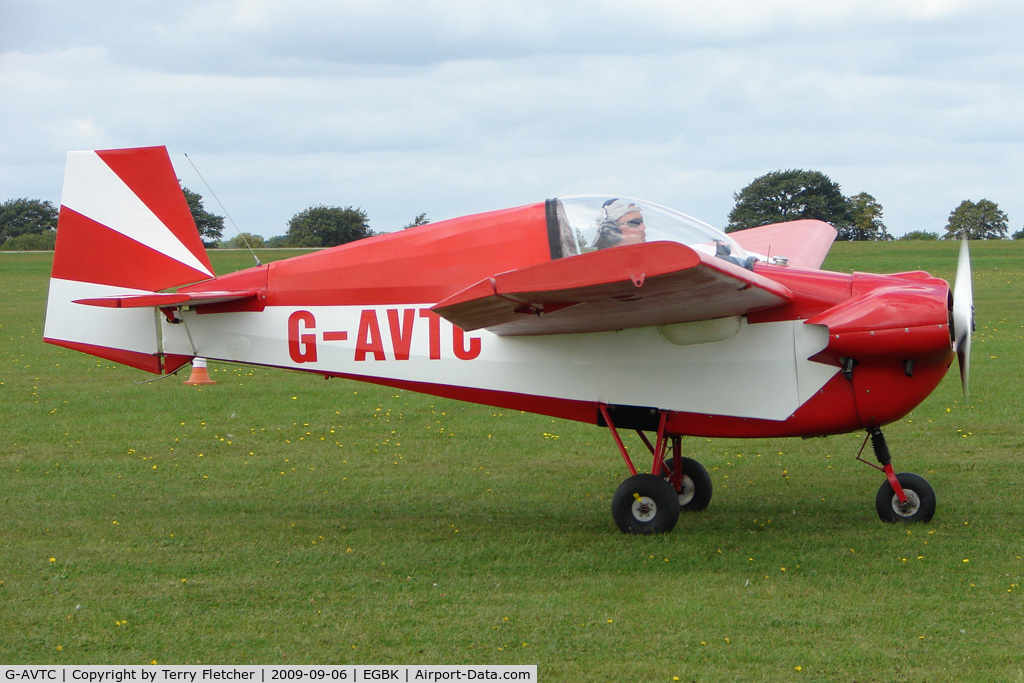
[[124, 230]]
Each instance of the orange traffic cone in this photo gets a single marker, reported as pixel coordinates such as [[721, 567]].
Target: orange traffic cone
[[199, 374]]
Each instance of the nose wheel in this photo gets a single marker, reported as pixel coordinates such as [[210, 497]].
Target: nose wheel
[[919, 505], [904, 497]]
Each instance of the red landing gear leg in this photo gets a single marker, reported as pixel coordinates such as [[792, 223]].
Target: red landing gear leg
[[644, 503], [618, 440], [904, 497], [650, 503], [687, 476]]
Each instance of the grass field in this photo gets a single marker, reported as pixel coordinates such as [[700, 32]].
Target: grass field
[[281, 518]]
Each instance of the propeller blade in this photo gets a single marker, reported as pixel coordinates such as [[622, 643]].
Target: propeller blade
[[963, 314]]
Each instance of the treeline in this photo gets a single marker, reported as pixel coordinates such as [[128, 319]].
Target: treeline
[[31, 224], [793, 195], [779, 196]]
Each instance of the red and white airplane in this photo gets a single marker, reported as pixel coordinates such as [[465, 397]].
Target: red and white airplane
[[606, 310]]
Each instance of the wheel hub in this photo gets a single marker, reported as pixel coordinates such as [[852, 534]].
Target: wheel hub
[[644, 509], [687, 492], [909, 508]]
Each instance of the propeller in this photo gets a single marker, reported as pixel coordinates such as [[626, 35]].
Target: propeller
[[963, 314]]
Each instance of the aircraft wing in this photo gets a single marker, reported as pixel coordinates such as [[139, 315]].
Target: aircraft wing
[[167, 299], [640, 285], [805, 243]]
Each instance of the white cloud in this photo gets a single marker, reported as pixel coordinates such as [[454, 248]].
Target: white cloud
[[451, 107]]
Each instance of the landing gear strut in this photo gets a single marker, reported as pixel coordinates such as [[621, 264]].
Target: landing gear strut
[[904, 497], [651, 503]]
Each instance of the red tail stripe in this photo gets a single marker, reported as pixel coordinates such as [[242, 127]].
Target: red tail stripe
[[150, 175], [88, 251]]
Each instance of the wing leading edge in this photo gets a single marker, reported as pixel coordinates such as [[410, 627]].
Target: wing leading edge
[[656, 283]]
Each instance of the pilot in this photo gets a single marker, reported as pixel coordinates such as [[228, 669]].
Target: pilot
[[621, 224]]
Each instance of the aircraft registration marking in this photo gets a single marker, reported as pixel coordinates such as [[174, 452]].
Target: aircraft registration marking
[[371, 342]]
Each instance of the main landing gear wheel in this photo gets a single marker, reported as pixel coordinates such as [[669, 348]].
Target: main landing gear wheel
[[645, 504], [920, 505], [696, 491]]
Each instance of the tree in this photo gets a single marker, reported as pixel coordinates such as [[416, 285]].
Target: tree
[[416, 222], [790, 195], [277, 242], [977, 221], [33, 241], [920, 235], [327, 226], [866, 224], [26, 217], [244, 240], [211, 226]]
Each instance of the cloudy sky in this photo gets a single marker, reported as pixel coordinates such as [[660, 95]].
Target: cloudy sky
[[450, 107]]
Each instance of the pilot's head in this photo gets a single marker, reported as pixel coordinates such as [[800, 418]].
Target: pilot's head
[[621, 223]]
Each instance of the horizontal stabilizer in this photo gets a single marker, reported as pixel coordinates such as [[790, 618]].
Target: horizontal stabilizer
[[168, 299], [640, 285]]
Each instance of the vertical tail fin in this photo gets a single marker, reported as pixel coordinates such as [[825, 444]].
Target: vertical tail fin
[[124, 228]]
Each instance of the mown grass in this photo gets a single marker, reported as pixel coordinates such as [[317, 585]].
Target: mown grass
[[278, 517]]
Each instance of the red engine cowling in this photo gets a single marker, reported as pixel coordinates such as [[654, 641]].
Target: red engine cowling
[[893, 342]]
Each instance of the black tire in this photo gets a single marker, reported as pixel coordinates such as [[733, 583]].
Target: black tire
[[645, 504], [696, 493], [920, 505]]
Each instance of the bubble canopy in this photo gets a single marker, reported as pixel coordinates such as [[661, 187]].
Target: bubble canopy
[[587, 223]]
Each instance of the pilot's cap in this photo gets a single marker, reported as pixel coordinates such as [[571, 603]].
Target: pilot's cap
[[614, 209]]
